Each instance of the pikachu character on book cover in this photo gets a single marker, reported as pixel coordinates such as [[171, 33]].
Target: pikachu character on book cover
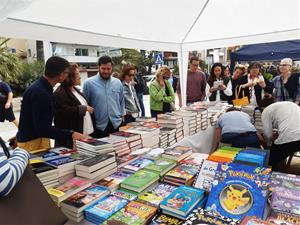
[[235, 198]]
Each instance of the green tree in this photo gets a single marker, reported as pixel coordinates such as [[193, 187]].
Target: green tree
[[10, 64]]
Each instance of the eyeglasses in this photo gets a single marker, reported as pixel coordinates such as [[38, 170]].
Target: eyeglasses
[[284, 65], [131, 75]]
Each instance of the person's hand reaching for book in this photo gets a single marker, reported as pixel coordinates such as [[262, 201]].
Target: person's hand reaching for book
[[78, 136]]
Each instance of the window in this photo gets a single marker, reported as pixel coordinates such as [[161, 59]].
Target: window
[[81, 52]]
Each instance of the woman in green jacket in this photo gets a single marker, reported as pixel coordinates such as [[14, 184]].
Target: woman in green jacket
[[161, 92]]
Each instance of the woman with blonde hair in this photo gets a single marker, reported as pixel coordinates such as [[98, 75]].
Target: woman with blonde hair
[[161, 92]]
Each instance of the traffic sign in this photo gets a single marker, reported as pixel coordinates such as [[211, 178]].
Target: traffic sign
[[159, 59]]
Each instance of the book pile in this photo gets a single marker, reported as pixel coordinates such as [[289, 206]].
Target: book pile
[[163, 219], [155, 195], [183, 174], [201, 118], [126, 159], [113, 181], [93, 147], [63, 191], [167, 137], [189, 122], [145, 119], [101, 210], [140, 181], [133, 213], [133, 139], [137, 164], [195, 158], [73, 206], [257, 121], [177, 153], [161, 166], [122, 193], [47, 174], [224, 154], [120, 145], [97, 167], [239, 190], [181, 202], [201, 216], [154, 153]]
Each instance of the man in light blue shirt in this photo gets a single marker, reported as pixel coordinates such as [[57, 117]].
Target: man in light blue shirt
[[105, 94], [235, 127]]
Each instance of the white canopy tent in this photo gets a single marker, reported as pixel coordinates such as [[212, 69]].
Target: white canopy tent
[[166, 25]]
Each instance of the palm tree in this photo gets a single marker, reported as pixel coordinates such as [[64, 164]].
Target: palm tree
[[10, 64]]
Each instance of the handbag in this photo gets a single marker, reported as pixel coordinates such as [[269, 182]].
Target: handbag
[[29, 203], [240, 101]]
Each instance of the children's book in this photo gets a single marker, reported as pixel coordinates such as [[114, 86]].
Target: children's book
[[195, 159], [122, 193], [182, 200], [157, 194], [279, 217], [177, 153], [105, 207], [206, 175], [164, 219], [239, 190], [184, 172], [253, 221], [81, 200], [287, 201], [135, 213], [161, 165], [281, 181], [137, 164]]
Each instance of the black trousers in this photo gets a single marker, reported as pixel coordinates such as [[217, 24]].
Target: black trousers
[[108, 130], [279, 153]]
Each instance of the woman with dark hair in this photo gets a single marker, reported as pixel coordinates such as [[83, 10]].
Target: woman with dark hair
[[132, 106], [72, 110], [219, 86], [227, 71]]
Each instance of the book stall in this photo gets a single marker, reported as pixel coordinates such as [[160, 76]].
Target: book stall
[[152, 172]]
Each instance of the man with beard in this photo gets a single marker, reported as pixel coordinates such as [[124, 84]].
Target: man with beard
[[105, 93]]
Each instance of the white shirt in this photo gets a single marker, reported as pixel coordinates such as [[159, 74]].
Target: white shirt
[[87, 119], [285, 117], [252, 90], [227, 91]]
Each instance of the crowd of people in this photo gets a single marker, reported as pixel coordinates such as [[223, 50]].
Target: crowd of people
[[109, 100]]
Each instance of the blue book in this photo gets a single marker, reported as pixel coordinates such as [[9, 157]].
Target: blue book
[[60, 161], [257, 151], [239, 190], [182, 200], [257, 159], [105, 207]]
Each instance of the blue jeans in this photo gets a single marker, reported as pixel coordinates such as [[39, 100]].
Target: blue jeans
[[249, 139], [141, 102]]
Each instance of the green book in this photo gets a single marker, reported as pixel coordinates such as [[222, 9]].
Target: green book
[[140, 180], [161, 166], [231, 148]]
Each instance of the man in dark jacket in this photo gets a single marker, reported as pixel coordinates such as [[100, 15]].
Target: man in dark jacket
[[140, 88], [37, 110]]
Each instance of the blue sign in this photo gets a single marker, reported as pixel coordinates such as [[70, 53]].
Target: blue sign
[[159, 59]]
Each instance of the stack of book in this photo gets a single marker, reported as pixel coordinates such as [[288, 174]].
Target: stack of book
[[113, 181], [47, 174], [145, 119], [134, 140], [167, 136], [133, 213], [161, 166], [224, 154], [195, 158], [183, 174], [97, 167], [73, 206], [63, 191], [177, 153], [126, 159], [257, 121], [137, 164], [65, 166], [120, 145], [154, 153], [181, 202], [189, 122], [157, 194], [93, 146], [253, 156], [104, 208], [201, 118], [149, 135], [122, 193], [140, 181]]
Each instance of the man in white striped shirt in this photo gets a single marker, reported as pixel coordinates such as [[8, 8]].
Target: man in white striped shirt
[[11, 169]]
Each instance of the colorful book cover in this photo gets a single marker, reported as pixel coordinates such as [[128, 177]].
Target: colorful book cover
[[105, 207], [94, 142], [184, 171], [287, 201], [182, 200], [140, 179], [161, 165], [278, 217], [135, 213], [113, 181], [195, 159], [138, 164], [281, 181], [206, 175], [60, 161], [177, 151], [122, 193], [253, 221], [40, 167], [164, 219], [239, 190], [86, 196], [157, 194], [201, 216]]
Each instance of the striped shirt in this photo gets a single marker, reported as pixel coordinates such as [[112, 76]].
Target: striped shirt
[[11, 169]]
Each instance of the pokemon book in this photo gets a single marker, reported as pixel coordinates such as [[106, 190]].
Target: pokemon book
[[182, 200], [239, 190], [135, 213]]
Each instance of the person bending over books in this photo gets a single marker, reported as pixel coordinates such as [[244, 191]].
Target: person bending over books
[[161, 92], [234, 127], [284, 117], [12, 168], [71, 108], [218, 87], [37, 109]]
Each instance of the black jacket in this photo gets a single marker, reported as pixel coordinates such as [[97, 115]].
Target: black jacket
[[69, 113]]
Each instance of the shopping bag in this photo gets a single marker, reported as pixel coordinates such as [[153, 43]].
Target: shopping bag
[[240, 101]]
